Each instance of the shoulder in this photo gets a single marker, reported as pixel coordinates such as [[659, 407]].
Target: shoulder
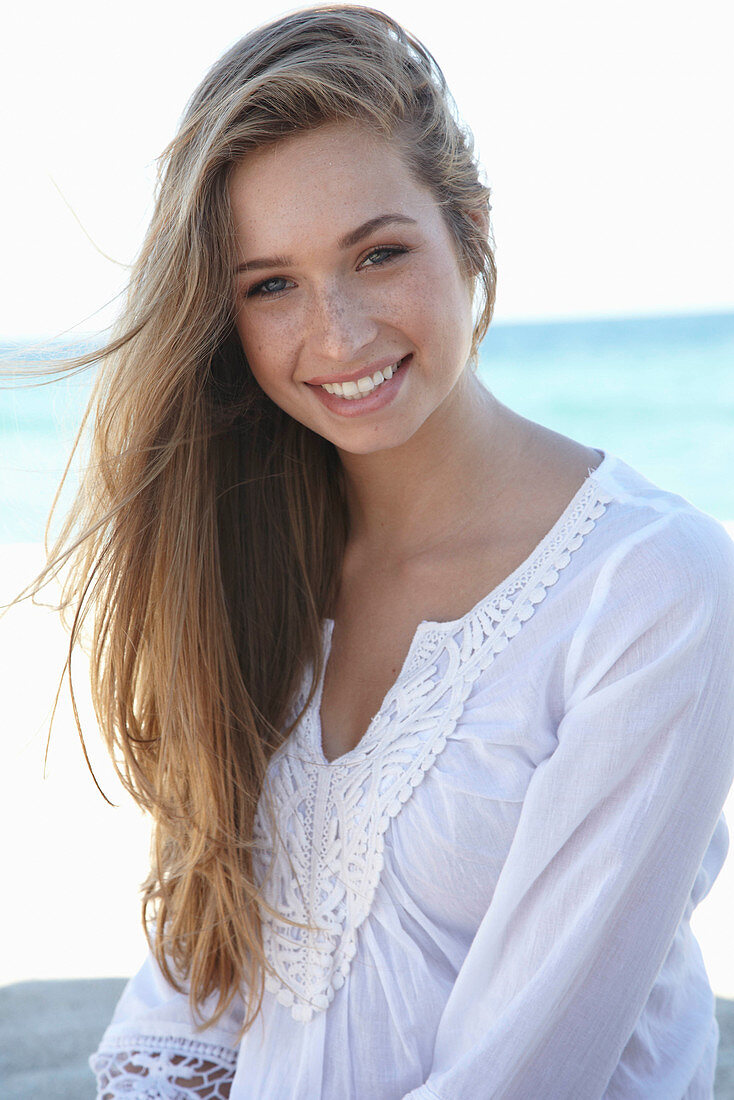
[[656, 544], [658, 611], [657, 579]]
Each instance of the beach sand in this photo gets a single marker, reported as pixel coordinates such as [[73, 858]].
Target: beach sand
[[73, 864]]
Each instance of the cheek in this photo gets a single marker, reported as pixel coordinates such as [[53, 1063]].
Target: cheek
[[442, 315], [441, 296], [414, 305], [265, 339]]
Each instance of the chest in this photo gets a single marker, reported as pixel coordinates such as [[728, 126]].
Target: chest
[[375, 621], [367, 654], [380, 605], [433, 803], [430, 803]]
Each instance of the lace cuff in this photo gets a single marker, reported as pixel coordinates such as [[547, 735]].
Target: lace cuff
[[142, 1068]]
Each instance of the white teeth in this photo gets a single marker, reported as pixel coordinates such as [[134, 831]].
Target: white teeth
[[354, 390]]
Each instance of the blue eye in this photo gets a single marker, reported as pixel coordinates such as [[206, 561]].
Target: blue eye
[[273, 287], [382, 255], [268, 288]]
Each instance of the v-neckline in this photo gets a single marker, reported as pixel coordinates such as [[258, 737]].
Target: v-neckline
[[362, 746]]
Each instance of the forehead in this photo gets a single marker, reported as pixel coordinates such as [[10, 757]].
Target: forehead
[[323, 181]]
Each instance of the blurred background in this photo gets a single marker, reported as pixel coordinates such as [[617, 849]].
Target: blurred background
[[605, 135]]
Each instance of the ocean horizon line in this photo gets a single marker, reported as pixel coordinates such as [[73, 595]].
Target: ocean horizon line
[[11, 340]]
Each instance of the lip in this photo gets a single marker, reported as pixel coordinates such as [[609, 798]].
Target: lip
[[371, 402], [352, 376]]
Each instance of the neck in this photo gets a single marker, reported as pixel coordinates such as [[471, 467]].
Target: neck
[[412, 499]]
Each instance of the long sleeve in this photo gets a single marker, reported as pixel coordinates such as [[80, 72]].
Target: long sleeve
[[152, 1049], [612, 834]]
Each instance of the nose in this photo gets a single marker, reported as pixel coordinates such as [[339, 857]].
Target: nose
[[340, 324]]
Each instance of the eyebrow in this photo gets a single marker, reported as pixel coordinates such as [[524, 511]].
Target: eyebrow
[[347, 241]]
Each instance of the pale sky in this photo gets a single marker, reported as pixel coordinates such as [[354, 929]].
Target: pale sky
[[605, 130]]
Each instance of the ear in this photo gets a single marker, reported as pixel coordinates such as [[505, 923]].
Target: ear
[[481, 220]]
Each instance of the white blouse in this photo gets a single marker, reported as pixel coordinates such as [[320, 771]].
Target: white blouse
[[499, 878]]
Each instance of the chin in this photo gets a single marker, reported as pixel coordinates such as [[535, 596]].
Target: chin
[[367, 442]]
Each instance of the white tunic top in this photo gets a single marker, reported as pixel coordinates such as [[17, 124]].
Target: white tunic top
[[499, 877]]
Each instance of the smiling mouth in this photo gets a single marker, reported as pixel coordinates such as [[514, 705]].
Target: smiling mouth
[[361, 387]]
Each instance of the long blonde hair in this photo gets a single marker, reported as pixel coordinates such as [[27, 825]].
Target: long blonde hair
[[208, 531]]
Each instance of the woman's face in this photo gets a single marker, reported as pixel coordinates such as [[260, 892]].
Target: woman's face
[[347, 272]]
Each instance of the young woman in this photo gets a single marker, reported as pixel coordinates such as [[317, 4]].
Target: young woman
[[431, 706]]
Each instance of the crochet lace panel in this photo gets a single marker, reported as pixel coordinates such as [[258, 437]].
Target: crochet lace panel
[[322, 866], [163, 1069]]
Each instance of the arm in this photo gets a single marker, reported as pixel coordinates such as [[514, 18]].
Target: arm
[[612, 833], [152, 1048]]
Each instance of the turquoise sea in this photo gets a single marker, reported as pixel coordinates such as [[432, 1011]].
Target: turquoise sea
[[656, 391]]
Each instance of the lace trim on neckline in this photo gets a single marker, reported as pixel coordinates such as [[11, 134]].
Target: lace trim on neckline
[[541, 568], [332, 817]]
